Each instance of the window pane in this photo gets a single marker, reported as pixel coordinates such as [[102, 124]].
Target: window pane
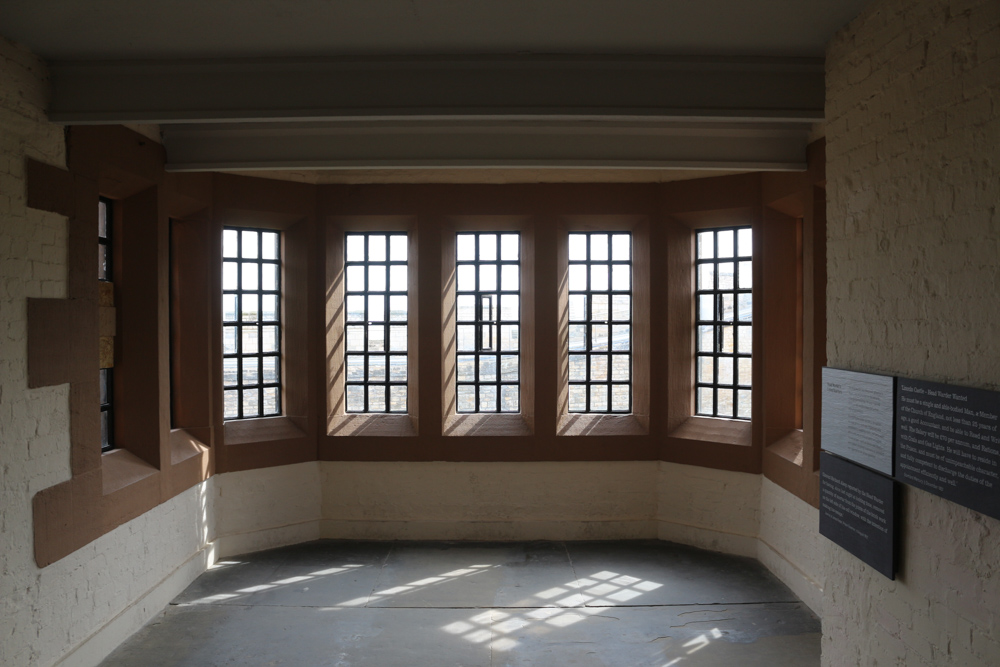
[[376, 398], [271, 406], [251, 350], [726, 313], [376, 248], [601, 271], [229, 307], [398, 247], [382, 331], [251, 403], [249, 241], [269, 242], [397, 398], [487, 321], [230, 241], [397, 368]]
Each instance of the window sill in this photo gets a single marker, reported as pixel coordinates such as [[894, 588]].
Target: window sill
[[121, 469], [710, 429], [789, 447], [486, 424], [371, 425], [267, 429], [594, 424], [184, 444]]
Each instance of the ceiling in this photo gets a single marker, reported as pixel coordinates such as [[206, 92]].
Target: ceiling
[[388, 86], [127, 29]]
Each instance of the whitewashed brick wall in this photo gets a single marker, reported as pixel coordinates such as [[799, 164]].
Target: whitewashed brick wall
[[913, 150], [46, 613]]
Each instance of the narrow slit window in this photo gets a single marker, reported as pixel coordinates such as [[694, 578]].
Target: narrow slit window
[[724, 326], [251, 329], [488, 322], [376, 314], [600, 322], [104, 226], [107, 410]]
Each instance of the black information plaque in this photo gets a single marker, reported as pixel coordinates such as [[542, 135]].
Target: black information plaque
[[948, 442], [857, 511]]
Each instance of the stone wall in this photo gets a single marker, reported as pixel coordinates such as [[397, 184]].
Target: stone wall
[[913, 149]]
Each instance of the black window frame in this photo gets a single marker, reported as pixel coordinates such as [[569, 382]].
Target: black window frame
[[106, 389], [484, 326], [718, 323], [589, 321], [367, 322], [239, 324]]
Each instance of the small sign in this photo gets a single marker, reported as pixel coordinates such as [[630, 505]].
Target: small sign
[[858, 417], [857, 511], [949, 442]]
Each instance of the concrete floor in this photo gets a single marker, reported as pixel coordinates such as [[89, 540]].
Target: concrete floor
[[383, 604]]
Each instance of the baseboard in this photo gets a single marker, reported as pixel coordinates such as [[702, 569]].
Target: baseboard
[[95, 648], [706, 538], [267, 538], [488, 530], [805, 587]]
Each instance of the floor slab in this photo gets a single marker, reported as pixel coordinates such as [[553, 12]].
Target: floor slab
[[382, 604]]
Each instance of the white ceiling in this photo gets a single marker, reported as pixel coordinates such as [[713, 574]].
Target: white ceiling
[[133, 29]]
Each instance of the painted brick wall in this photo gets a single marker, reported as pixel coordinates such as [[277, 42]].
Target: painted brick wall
[[46, 613], [913, 149]]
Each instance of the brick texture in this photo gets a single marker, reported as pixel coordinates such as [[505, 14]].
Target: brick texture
[[913, 150], [44, 614]]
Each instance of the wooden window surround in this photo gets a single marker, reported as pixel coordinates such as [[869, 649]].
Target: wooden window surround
[[151, 463], [338, 421], [491, 423], [608, 424], [289, 208], [170, 422]]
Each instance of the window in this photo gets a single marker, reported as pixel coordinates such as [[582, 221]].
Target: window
[[104, 239], [104, 225], [251, 313], [724, 280], [488, 318], [600, 322], [377, 314]]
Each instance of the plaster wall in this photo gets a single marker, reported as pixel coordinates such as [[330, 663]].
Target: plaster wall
[[913, 149], [266, 508], [81, 607], [489, 501], [708, 508], [789, 543]]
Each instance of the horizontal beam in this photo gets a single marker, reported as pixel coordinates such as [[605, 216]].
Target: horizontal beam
[[486, 144], [528, 87]]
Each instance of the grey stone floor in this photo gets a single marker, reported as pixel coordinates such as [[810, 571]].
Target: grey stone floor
[[383, 604]]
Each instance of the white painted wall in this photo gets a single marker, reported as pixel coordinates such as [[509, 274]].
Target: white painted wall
[[789, 543], [712, 509], [115, 584], [913, 251], [266, 508], [489, 501]]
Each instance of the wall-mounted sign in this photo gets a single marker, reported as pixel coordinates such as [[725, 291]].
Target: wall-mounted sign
[[948, 442], [858, 417], [857, 511]]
